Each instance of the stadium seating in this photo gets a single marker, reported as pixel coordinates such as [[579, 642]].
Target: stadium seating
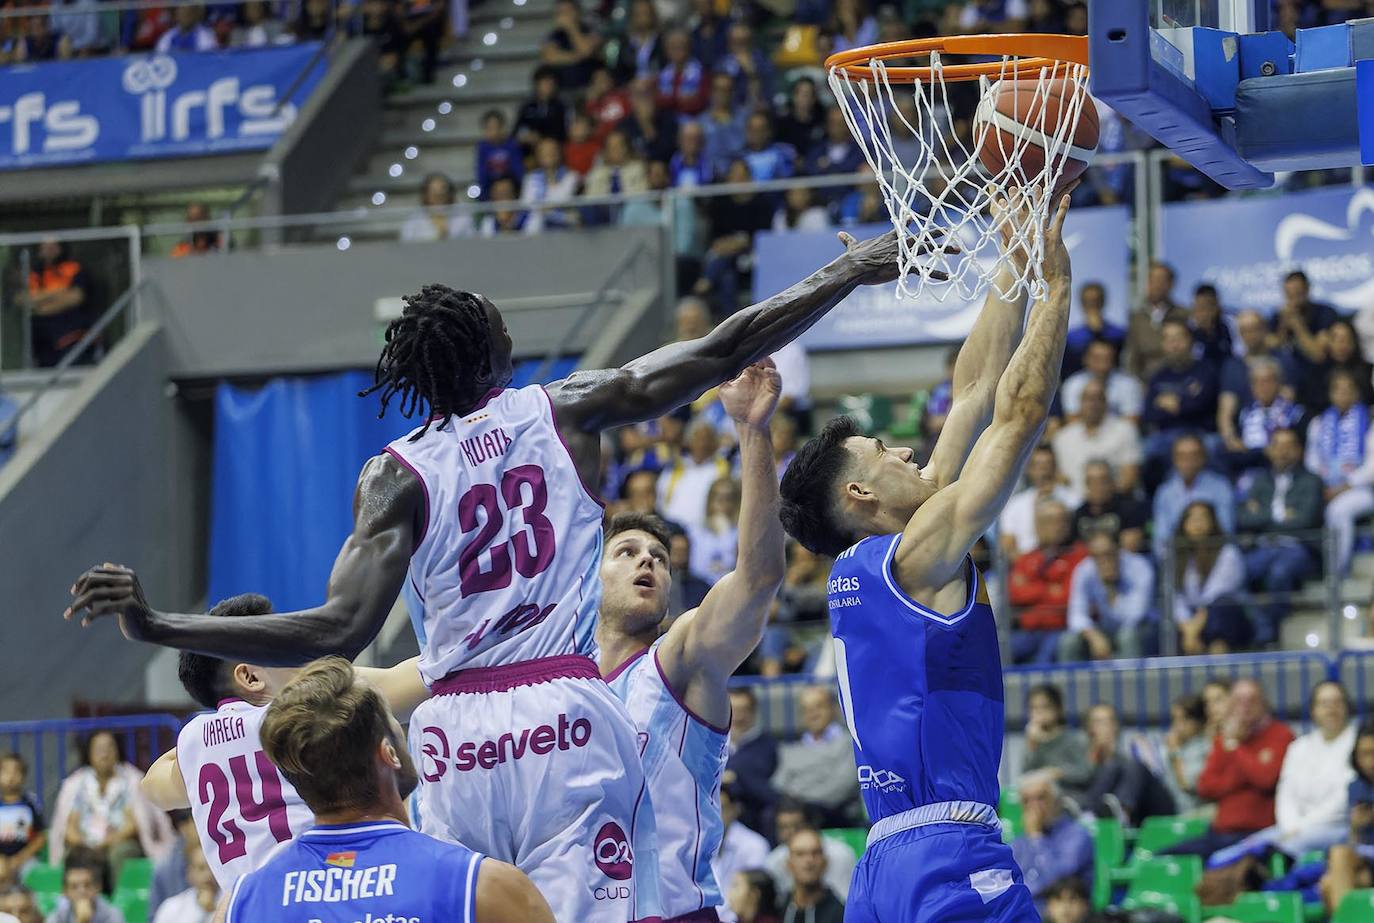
[[1271, 907], [1356, 907], [135, 877], [1109, 851], [133, 904], [42, 878], [1159, 833], [856, 838]]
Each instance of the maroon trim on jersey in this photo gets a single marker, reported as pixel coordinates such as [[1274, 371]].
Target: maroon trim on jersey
[[512, 676], [705, 915], [230, 700], [683, 705], [629, 662], [553, 415], [424, 525], [486, 399]]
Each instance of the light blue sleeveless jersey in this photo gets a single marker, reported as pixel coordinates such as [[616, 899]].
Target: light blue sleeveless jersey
[[374, 871], [684, 758], [921, 691]]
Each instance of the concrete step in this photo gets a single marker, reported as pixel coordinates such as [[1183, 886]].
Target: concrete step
[[1304, 630], [403, 199], [494, 12], [455, 129], [507, 29], [1362, 565], [407, 185], [452, 159]]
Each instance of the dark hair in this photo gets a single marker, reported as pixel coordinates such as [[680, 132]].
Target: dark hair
[[1095, 285], [1205, 288], [91, 860], [1188, 437], [1167, 267], [1202, 552], [788, 804], [493, 114], [1068, 886], [1345, 696], [1102, 341], [1347, 374], [1298, 275], [1050, 692], [322, 732], [437, 355], [1290, 431], [639, 522], [762, 884], [206, 679], [1194, 708], [808, 507], [14, 757], [1221, 682], [89, 741], [545, 72], [1176, 322], [1366, 730]]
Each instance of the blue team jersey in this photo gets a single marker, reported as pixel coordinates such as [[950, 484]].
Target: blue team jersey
[[921, 690], [371, 872]]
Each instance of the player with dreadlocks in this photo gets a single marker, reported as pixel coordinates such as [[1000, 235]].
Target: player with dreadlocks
[[525, 754]]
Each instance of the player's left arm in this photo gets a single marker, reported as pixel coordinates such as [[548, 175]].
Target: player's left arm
[[714, 639], [982, 360], [163, 784], [401, 686], [506, 895]]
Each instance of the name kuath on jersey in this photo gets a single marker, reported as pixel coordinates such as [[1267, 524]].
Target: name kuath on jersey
[[505, 569], [241, 804]]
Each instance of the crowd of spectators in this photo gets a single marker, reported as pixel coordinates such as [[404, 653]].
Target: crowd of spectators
[[100, 822], [1272, 801]]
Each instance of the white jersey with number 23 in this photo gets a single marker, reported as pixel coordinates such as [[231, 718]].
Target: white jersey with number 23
[[242, 805], [507, 564]]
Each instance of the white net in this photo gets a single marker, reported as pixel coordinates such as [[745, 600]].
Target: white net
[[936, 188]]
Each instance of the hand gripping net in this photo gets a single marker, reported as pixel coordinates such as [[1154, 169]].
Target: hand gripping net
[[944, 195]]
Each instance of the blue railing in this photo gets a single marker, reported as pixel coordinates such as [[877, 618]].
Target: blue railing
[[52, 748], [1140, 690]]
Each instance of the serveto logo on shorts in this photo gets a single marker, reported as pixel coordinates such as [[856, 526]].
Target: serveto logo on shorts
[[612, 852], [489, 754], [884, 780]]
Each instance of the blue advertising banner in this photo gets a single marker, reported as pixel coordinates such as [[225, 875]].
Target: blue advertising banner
[[1246, 246], [143, 106], [873, 316]]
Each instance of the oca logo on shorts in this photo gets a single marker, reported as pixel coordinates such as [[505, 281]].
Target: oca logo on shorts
[[612, 852]]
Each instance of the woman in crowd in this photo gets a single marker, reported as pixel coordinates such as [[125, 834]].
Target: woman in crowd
[[550, 182], [1210, 573], [715, 544], [1339, 452], [1185, 750], [1051, 745], [436, 218], [1343, 353], [99, 806], [753, 897]]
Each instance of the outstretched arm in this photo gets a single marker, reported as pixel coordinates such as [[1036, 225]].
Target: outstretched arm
[[982, 360], [367, 575], [945, 527], [400, 685], [710, 642], [163, 784], [679, 373]]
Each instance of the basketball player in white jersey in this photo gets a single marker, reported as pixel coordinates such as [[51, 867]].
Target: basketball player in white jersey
[[482, 515], [242, 806], [675, 685]]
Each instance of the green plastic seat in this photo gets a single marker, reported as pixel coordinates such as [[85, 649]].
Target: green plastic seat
[[856, 838], [133, 904], [1109, 851], [1356, 907], [1311, 856], [42, 878], [1265, 907], [135, 875], [1176, 874], [1159, 833], [46, 901], [1186, 906]]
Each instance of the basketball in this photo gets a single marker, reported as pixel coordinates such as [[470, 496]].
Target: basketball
[[1010, 123]]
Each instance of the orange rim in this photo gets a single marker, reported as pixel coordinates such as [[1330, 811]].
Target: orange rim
[[1032, 52]]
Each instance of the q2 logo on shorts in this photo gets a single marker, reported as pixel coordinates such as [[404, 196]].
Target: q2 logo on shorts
[[612, 852]]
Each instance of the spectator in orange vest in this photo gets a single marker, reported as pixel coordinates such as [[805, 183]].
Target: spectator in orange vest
[[59, 291], [200, 241]]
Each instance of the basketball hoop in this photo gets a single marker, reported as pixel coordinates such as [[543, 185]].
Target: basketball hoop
[[1033, 132]]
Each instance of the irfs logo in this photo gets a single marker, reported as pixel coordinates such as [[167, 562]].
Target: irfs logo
[[151, 78], [612, 852]]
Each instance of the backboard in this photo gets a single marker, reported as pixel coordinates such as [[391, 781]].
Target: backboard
[[1209, 80]]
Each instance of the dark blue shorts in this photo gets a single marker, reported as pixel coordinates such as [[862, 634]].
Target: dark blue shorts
[[940, 873]]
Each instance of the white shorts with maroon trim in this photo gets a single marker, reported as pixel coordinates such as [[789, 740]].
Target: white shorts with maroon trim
[[537, 764]]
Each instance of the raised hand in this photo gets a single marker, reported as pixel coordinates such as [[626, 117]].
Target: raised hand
[[878, 259], [750, 397], [1056, 268], [110, 589]]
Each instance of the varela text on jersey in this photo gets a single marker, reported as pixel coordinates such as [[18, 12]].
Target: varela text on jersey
[[335, 885], [221, 729]]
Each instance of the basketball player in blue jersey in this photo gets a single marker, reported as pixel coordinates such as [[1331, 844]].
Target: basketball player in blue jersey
[[914, 637], [675, 685], [332, 736]]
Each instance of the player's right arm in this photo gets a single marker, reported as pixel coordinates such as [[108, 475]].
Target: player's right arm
[[163, 784], [401, 686], [935, 542], [363, 586], [506, 895]]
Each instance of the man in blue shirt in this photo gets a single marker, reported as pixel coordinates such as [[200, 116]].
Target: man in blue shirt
[[331, 734], [1054, 844], [1111, 604], [1182, 396], [1190, 482]]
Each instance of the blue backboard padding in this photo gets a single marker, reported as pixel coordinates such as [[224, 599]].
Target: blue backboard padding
[[1265, 54], [1365, 78], [1216, 67], [1298, 121], [1323, 48], [1361, 39]]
